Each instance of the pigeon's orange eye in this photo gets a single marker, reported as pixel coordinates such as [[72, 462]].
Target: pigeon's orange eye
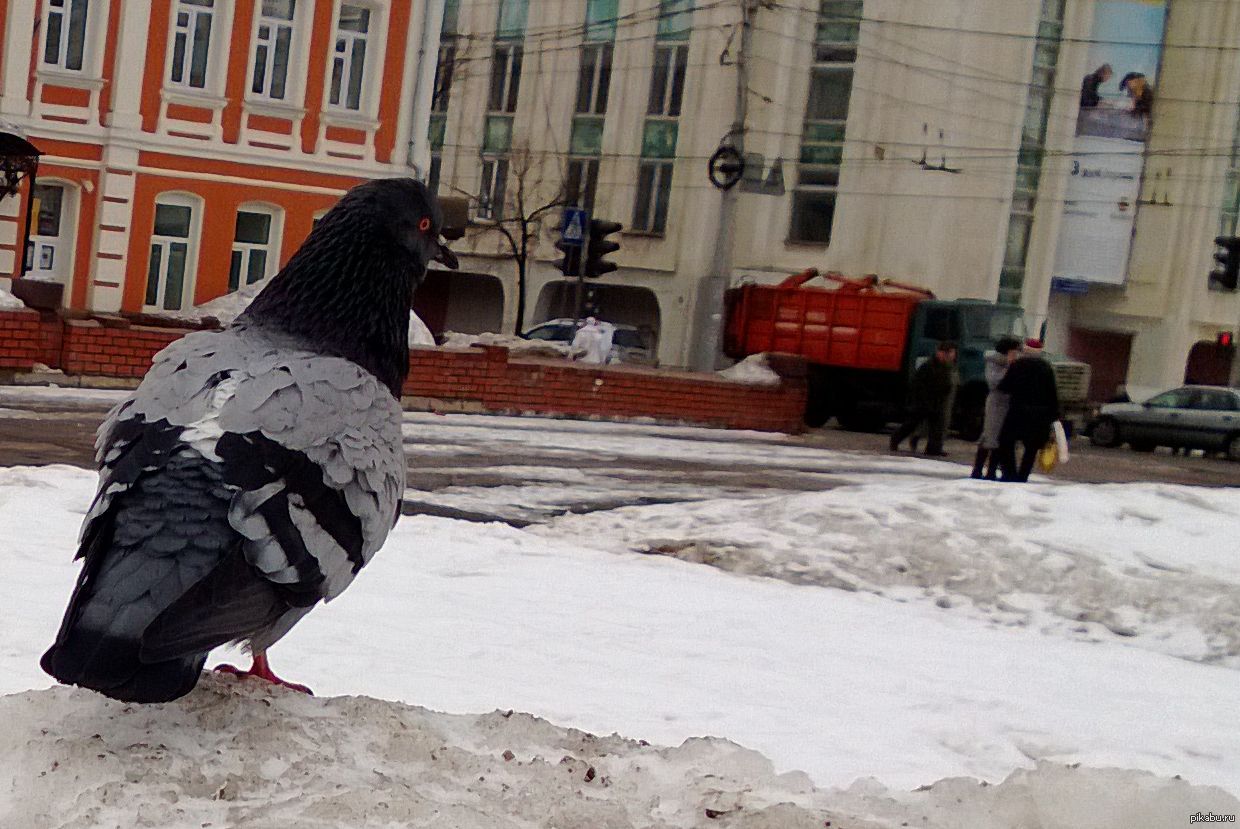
[[425, 224]]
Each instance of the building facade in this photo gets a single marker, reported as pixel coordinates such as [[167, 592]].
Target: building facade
[[188, 145], [943, 144]]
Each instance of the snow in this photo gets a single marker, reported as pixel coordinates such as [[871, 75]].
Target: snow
[[516, 345], [8, 302], [864, 626], [228, 307], [754, 369]]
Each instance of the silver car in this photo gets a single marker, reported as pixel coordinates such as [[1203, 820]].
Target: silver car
[[1191, 417]]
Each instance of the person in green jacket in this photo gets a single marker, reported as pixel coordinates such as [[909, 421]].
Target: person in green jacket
[[932, 386]]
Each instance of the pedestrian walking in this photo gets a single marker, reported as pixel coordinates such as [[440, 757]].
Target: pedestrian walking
[[986, 461], [1033, 406], [932, 386]]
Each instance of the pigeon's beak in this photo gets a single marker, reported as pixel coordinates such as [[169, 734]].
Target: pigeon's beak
[[446, 257]]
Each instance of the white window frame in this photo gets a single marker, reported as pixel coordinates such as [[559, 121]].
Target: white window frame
[[663, 171], [510, 85], [677, 76], [371, 55], [61, 64], [494, 187], [599, 82], [215, 33], [270, 249], [189, 278], [293, 61]]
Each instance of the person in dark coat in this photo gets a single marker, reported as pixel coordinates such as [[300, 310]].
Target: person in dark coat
[[1139, 92], [1033, 406], [930, 389], [1089, 86]]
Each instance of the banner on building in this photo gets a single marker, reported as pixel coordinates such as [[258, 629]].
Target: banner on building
[[1108, 153]]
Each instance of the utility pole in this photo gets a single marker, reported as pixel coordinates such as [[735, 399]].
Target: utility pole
[[708, 310]]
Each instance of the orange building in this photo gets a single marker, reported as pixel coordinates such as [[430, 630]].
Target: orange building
[[188, 145]]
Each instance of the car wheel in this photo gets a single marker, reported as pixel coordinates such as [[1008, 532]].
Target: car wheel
[[1233, 447], [1142, 445], [1105, 433]]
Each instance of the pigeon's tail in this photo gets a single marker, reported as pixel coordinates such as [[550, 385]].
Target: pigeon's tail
[[112, 665]]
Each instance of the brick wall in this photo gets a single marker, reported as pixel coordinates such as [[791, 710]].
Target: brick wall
[[21, 339], [485, 379]]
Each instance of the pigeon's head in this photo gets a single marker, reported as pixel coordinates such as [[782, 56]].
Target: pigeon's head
[[406, 214], [348, 289]]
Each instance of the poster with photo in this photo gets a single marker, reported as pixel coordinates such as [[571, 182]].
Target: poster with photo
[[1113, 124]]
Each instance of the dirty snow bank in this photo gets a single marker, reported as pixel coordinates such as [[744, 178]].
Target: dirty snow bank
[[243, 754], [1153, 564], [754, 370], [517, 345], [8, 302]]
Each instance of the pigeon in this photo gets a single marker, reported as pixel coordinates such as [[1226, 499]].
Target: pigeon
[[255, 470]]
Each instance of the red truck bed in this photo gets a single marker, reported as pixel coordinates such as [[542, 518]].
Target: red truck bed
[[852, 327]]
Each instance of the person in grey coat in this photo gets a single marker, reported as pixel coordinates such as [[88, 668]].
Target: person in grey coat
[[1007, 349]]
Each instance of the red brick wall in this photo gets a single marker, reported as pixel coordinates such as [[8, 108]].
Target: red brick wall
[[494, 381], [21, 343], [91, 348], [478, 379]]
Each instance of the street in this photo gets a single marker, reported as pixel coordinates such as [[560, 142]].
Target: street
[[39, 426]]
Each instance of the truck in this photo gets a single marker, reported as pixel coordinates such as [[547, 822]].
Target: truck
[[864, 339]]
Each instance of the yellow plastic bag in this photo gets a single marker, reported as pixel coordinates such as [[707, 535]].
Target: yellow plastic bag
[[1048, 457]]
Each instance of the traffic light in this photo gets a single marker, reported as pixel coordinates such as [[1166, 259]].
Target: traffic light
[[455, 212], [1227, 274], [570, 265], [598, 247]]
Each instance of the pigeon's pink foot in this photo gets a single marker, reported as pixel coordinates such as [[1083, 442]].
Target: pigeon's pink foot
[[261, 670]]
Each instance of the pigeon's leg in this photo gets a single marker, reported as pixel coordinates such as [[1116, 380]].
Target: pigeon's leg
[[262, 670]]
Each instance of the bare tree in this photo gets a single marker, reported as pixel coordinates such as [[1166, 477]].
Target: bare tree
[[519, 219]]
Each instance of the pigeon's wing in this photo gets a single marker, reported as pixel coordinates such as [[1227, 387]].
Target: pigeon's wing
[[308, 449]]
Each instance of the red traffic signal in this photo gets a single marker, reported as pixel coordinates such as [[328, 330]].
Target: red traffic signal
[[1225, 339]]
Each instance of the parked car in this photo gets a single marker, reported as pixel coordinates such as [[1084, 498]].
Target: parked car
[[1190, 417], [628, 345]]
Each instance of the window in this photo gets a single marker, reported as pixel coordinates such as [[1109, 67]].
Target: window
[[252, 246], [675, 19], [493, 189], [510, 25], [654, 190], [1215, 401], [1029, 157], [826, 115], [65, 42], [1175, 399], [191, 42], [601, 18], [505, 77], [169, 269], [581, 182], [667, 83], [272, 47], [349, 57], [594, 77]]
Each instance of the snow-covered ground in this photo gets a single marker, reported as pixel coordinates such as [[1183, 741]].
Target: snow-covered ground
[[870, 617]]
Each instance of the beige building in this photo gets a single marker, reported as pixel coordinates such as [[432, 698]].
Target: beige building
[[933, 143]]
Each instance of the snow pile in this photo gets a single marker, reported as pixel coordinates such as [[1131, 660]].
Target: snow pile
[[754, 370], [242, 754], [8, 302], [228, 307], [516, 345], [1154, 564]]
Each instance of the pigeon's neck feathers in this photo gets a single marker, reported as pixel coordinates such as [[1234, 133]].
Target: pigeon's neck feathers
[[346, 292]]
